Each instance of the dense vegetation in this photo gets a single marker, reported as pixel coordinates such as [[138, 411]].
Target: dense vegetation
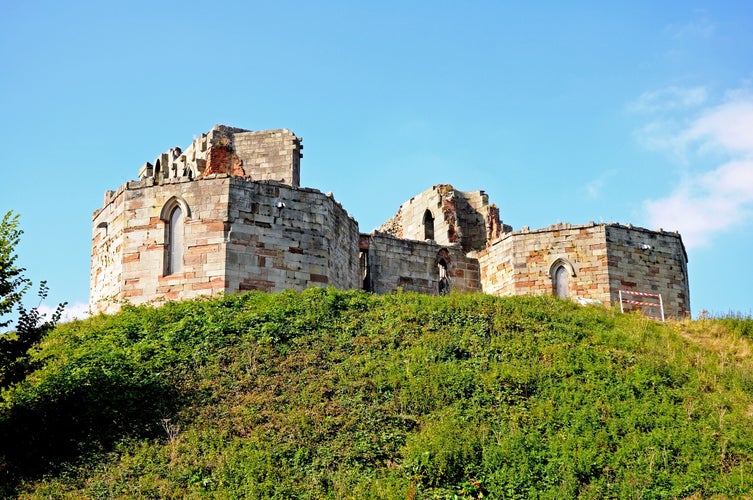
[[331, 394]]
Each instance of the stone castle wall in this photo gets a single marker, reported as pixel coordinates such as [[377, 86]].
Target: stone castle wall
[[413, 265], [269, 155], [281, 237], [106, 271], [136, 219], [604, 259], [648, 261], [253, 245], [247, 225], [521, 262]]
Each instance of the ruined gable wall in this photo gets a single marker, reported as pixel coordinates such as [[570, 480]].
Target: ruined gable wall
[[143, 237], [412, 265], [310, 242], [520, 262], [408, 223], [459, 217], [662, 269]]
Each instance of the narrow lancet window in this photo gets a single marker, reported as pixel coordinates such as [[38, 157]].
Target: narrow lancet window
[[428, 226], [561, 282], [175, 242]]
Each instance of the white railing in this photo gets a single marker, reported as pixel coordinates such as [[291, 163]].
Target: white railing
[[643, 303]]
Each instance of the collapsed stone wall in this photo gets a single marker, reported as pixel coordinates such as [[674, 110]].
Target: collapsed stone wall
[[455, 216], [392, 263], [282, 237], [521, 262]]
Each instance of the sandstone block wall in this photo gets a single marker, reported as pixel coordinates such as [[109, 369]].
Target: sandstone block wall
[[520, 262], [106, 270], [138, 234], [412, 265], [604, 259], [235, 238], [648, 261], [273, 155], [310, 241]]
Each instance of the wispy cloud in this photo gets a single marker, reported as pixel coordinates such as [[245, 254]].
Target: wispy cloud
[[669, 98], [596, 186], [717, 199], [699, 27]]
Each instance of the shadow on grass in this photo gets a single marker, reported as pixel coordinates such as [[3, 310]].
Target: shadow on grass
[[41, 435]]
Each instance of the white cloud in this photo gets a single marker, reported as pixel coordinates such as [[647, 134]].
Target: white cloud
[[705, 203], [72, 311], [727, 128], [702, 206]]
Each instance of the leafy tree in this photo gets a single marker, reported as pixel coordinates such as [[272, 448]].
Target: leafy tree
[[12, 282], [31, 325]]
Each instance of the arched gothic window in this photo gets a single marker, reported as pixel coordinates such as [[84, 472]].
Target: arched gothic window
[[428, 225], [561, 282], [560, 271], [175, 242]]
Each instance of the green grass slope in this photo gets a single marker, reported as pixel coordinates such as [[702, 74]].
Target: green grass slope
[[332, 394]]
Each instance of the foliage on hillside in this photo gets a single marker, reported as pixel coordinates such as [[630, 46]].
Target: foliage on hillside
[[331, 394]]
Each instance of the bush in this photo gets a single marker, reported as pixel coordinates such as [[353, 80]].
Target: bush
[[326, 394]]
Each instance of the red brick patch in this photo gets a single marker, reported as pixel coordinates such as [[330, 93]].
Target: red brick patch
[[132, 257]]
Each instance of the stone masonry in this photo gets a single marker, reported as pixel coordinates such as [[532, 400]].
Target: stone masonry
[[228, 215]]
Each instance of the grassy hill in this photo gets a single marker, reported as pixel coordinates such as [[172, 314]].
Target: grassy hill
[[331, 394]]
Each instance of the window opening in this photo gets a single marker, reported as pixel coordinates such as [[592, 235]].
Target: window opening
[[428, 226], [444, 280], [365, 271], [561, 282], [175, 242]]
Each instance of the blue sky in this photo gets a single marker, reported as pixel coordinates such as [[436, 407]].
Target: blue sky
[[638, 113]]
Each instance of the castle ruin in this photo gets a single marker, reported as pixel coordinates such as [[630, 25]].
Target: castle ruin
[[228, 215]]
